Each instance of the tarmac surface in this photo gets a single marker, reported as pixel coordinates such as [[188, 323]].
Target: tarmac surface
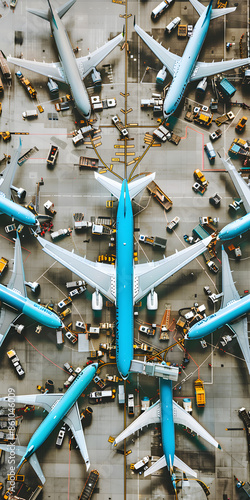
[[89, 25]]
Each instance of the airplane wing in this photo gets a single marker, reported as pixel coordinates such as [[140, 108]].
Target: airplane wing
[[8, 174], [151, 416], [184, 418], [7, 318], [96, 274], [17, 279], [73, 420], [203, 69], [239, 183], [151, 274], [51, 70], [46, 401], [87, 63], [240, 328], [20, 451], [168, 59]]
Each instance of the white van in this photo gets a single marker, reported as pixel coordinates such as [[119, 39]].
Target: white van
[[32, 113], [161, 7], [59, 337], [172, 25]]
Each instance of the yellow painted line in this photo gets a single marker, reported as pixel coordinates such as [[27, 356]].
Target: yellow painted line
[[122, 146], [115, 159], [156, 145], [132, 124], [98, 144], [123, 154], [131, 162], [88, 143], [97, 137]]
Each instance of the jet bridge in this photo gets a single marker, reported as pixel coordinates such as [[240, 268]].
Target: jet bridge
[[161, 370]]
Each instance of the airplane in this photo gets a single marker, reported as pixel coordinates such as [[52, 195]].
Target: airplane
[[125, 283], [14, 295], [59, 407], [232, 313], [7, 206], [69, 70], [186, 69], [241, 225], [167, 412]]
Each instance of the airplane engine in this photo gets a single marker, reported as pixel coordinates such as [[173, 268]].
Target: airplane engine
[[96, 77], [161, 76], [97, 301], [152, 301], [202, 85], [19, 328], [21, 193]]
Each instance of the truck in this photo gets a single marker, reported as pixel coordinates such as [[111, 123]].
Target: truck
[[48, 205], [80, 134], [155, 241], [241, 124], [200, 177], [131, 405], [3, 265], [182, 30], [73, 284], [141, 464], [90, 485], [199, 393], [161, 7], [53, 152], [60, 233], [31, 113], [210, 152], [172, 25], [119, 125], [16, 362], [203, 118], [97, 396], [147, 329], [162, 133], [215, 135], [224, 118], [159, 195], [121, 394], [27, 85], [64, 302]]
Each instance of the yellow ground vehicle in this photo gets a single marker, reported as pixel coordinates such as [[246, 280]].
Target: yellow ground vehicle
[[241, 124], [200, 177], [200, 393], [3, 264]]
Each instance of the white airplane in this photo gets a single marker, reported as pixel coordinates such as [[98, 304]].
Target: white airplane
[[70, 70], [186, 69], [167, 413], [14, 295], [125, 283]]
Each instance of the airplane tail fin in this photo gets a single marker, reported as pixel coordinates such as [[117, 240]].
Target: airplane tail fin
[[21, 450], [134, 187], [199, 7]]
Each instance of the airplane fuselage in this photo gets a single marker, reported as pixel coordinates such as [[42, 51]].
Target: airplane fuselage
[[235, 228], [227, 315], [167, 419], [26, 306], [124, 282], [16, 211], [186, 65], [60, 409], [70, 68]]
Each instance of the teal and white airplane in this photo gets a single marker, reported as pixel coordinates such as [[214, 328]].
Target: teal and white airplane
[[186, 69]]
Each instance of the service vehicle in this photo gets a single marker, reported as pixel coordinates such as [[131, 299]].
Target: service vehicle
[[173, 224], [74, 284], [65, 313], [95, 354], [198, 188], [200, 392], [155, 241], [98, 396], [241, 124], [48, 205], [60, 436], [60, 233], [215, 200], [190, 29], [216, 134], [131, 405], [210, 152], [121, 394], [90, 485], [68, 367], [99, 381], [53, 152], [71, 337], [225, 339], [147, 329], [159, 195], [77, 291], [162, 133], [16, 362], [161, 7], [80, 324], [145, 404], [3, 265], [94, 330], [85, 162], [172, 25], [141, 464], [187, 405], [32, 113], [59, 337], [64, 302], [119, 125], [200, 177], [10, 228], [86, 416], [182, 30]]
